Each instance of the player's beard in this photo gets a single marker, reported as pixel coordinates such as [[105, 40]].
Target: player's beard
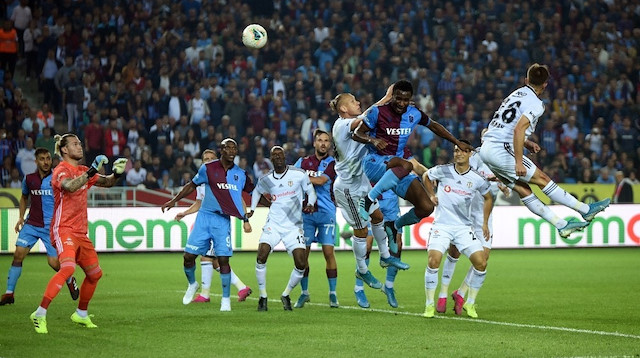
[[76, 156], [321, 152]]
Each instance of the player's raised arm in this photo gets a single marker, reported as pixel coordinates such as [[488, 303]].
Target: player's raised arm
[[442, 132], [361, 129]]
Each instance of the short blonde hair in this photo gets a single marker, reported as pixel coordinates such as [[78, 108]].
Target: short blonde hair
[[335, 103]]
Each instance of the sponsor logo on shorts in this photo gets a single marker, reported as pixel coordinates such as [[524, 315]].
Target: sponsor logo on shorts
[[193, 247]]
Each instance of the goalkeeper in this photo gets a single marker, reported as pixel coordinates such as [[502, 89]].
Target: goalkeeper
[[70, 182]]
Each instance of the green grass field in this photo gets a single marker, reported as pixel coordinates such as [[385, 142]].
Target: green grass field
[[535, 303]]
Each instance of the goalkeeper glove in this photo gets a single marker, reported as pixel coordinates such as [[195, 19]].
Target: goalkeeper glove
[[97, 165], [118, 166]]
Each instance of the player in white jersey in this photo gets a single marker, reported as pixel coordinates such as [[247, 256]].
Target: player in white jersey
[[477, 217], [286, 186], [352, 184], [209, 262], [457, 186], [503, 152]]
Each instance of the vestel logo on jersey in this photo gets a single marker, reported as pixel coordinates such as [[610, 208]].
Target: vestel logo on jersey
[[398, 131], [227, 186], [313, 173], [40, 192]]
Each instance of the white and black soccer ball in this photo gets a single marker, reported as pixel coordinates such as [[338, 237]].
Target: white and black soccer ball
[[254, 36]]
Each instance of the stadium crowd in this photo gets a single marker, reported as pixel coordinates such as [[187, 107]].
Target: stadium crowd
[[159, 81]]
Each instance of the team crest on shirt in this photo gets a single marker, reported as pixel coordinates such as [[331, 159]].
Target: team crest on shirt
[[290, 183], [469, 184], [411, 119], [235, 177]]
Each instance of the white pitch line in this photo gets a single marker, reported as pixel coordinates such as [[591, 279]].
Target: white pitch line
[[474, 320]]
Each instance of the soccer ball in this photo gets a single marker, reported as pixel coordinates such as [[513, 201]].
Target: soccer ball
[[254, 36]]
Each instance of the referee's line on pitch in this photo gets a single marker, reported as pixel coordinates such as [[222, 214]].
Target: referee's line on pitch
[[474, 320]]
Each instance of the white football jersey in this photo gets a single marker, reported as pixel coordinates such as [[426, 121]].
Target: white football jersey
[[523, 101], [287, 192], [455, 193], [348, 152]]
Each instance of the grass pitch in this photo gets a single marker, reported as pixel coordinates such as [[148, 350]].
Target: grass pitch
[[535, 303]]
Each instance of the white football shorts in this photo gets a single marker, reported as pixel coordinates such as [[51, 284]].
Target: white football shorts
[[347, 197], [499, 157], [441, 236], [292, 238]]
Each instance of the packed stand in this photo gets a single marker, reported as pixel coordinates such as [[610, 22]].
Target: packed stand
[[158, 82]]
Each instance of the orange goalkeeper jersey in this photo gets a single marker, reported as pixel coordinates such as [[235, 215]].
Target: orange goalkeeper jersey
[[70, 209]]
